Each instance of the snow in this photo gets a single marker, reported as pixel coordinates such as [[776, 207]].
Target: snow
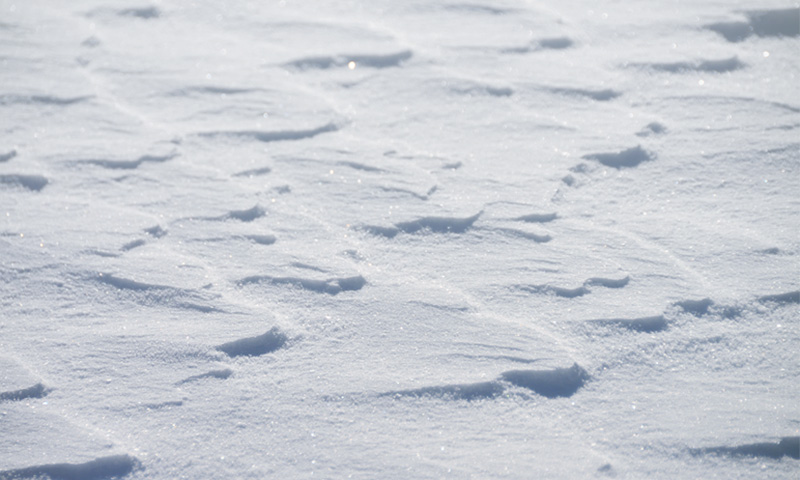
[[399, 239]]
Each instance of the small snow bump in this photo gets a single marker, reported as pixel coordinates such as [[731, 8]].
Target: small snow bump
[[269, 342], [723, 65], [695, 307], [155, 231], [653, 128], [559, 382], [145, 13], [623, 159], [332, 286], [653, 324], [556, 43], [601, 95], [262, 239], [255, 172], [247, 215], [537, 217]]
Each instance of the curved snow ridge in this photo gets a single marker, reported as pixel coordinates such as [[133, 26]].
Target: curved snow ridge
[[91, 42], [155, 231], [201, 90], [785, 447], [168, 404], [29, 182], [133, 244], [550, 43], [155, 295], [720, 100], [507, 358], [36, 391], [268, 136], [256, 346], [553, 290], [602, 95], [344, 61], [362, 167], [143, 13], [16, 99], [653, 324], [781, 298], [246, 215], [607, 282], [554, 43], [558, 382], [422, 196], [18, 383], [465, 391], [628, 158], [537, 218], [513, 232], [4, 157], [254, 172], [474, 8], [128, 284], [652, 128], [706, 306], [473, 88], [438, 224], [262, 239], [425, 225], [578, 291], [723, 65], [331, 286], [762, 23], [220, 374], [554, 383], [130, 164], [695, 307], [113, 466]]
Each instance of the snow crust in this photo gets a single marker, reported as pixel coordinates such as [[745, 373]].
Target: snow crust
[[418, 239]]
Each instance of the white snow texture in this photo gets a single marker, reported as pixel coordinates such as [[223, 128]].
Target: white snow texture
[[399, 239]]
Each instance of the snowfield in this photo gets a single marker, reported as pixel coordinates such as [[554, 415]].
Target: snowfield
[[448, 239]]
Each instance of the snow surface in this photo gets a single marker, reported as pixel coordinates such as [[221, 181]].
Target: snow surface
[[416, 239]]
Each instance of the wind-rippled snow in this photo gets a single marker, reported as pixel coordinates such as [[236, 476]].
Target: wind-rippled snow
[[399, 239]]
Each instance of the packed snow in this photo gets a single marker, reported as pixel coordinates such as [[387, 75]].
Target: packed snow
[[416, 239]]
